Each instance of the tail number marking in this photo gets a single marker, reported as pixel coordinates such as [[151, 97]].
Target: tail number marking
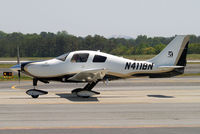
[[138, 66]]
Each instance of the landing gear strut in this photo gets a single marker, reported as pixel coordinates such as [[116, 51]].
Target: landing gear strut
[[86, 91], [34, 93]]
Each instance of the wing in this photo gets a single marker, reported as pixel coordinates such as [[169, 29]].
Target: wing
[[89, 75]]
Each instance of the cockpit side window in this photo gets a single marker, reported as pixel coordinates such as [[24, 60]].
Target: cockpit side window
[[99, 58], [80, 57], [62, 57]]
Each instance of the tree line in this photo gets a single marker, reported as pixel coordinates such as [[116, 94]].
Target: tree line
[[48, 44]]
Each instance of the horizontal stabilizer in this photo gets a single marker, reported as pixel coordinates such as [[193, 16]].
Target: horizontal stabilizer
[[170, 67]]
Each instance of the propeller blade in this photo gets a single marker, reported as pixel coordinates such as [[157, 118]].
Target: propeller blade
[[18, 62], [18, 57], [19, 75]]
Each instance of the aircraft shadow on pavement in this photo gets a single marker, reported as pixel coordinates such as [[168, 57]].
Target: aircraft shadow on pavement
[[160, 96], [71, 97], [33, 98]]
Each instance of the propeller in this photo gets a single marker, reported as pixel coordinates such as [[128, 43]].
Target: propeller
[[17, 67], [106, 82], [19, 75], [18, 63]]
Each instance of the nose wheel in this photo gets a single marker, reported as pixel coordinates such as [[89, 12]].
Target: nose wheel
[[35, 93], [34, 96], [81, 92]]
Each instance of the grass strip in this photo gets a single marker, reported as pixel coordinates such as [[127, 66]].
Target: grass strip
[[137, 57], [15, 78]]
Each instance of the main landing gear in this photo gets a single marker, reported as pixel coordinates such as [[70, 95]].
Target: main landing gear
[[35, 93], [80, 92], [86, 91]]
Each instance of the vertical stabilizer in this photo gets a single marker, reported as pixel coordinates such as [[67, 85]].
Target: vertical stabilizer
[[174, 54]]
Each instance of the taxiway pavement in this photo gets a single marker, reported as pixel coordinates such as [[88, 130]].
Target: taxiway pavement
[[140, 105]]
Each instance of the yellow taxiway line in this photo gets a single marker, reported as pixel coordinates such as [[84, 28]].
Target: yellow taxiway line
[[95, 127]]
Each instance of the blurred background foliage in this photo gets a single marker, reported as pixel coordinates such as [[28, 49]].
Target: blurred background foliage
[[48, 44]]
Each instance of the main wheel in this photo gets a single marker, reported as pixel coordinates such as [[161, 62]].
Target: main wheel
[[83, 96], [76, 90], [35, 96], [80, 92]]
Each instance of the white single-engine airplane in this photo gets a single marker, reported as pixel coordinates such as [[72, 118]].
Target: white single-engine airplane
[[94, 66]]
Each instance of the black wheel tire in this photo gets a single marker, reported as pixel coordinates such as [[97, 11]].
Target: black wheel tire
[[35, 96], [84, 96], [77, 90]]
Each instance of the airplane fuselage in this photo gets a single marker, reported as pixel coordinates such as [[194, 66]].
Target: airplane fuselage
[[117, 67]]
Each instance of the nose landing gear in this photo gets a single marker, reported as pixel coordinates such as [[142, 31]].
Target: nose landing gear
[[35, 93]]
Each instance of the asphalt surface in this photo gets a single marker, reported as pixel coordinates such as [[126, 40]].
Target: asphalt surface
[[172, 130], [141, 105]]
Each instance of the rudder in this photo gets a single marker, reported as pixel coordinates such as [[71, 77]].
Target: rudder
[[174, 54]]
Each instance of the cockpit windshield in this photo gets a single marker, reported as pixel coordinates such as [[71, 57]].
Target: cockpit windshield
[[62, 57]]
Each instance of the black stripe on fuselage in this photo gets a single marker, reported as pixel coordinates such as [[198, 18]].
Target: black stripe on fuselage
[[174, 72], [65, 78]]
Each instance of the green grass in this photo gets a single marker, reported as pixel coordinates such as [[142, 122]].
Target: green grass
[[193, 62], [137, 57], [25, 58], [193, 57], [15, 78], [193, 74], [6, 65]]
